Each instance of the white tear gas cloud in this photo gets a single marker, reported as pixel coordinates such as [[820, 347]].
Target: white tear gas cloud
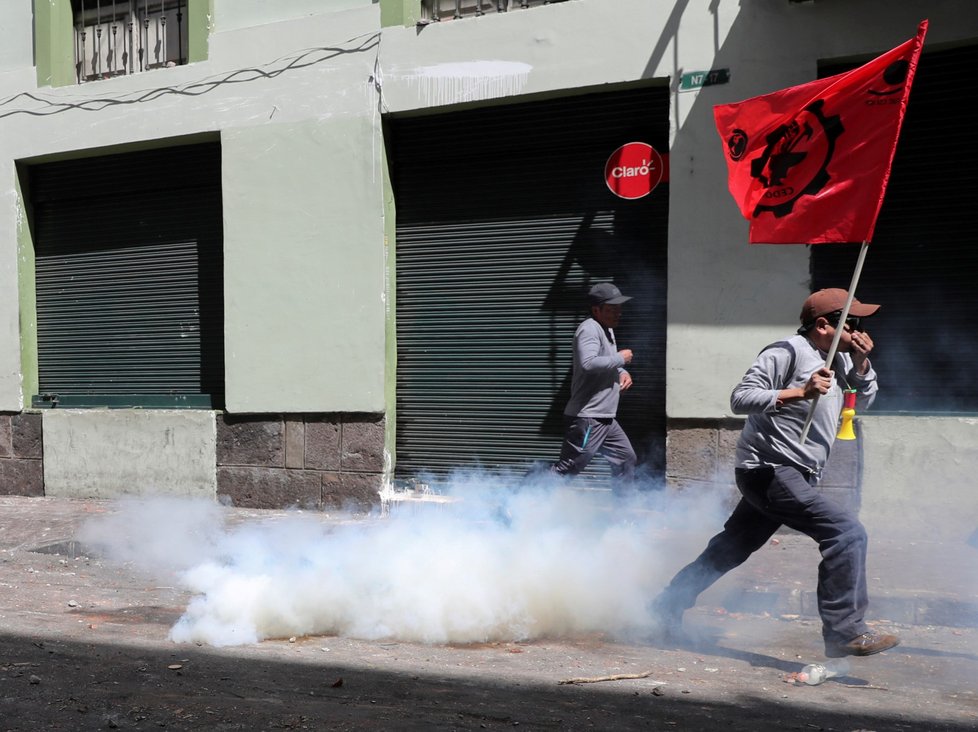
[[494, 564]]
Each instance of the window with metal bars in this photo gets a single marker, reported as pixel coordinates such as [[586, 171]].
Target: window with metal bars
[[438, 10], [119, 37]]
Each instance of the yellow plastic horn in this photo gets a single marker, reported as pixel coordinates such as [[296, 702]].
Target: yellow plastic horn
[[846, 432]]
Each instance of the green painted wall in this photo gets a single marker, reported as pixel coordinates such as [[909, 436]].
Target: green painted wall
[[54, 46], [26, 300], [304, 267], [200, 23], [399, 12], [390, 261]]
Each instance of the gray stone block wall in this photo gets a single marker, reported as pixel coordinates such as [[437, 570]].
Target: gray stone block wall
[[700, 455], [309, 461], [21, 464]]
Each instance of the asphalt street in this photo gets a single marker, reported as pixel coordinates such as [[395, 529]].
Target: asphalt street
[[84, 645]]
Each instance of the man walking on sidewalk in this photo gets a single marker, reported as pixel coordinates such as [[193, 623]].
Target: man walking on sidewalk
[[778, 476], [598, 379]]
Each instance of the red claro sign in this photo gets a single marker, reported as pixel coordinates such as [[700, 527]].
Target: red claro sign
[[633, 170]]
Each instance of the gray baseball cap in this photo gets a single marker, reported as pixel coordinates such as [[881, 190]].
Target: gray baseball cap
[[605, 293]]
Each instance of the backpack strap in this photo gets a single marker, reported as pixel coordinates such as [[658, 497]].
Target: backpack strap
[[838, 365], [791, 361]]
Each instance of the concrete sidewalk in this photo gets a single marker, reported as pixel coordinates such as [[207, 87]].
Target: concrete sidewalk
[[912, 581]]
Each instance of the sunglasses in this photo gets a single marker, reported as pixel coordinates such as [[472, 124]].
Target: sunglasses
[[853, 322]]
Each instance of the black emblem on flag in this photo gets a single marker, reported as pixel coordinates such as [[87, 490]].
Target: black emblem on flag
[[737, 144], [796, 159], [894, 75]]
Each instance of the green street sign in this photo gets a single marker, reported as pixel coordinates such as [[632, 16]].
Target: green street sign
[[697, 79]]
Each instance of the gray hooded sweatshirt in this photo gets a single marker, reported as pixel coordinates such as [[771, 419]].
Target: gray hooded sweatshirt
[[597, 365], [771, 435]]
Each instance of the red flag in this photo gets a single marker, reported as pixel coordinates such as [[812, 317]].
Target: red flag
[[809, 164]]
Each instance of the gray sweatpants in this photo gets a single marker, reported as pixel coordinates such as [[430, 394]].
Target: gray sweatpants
[[586, 437]]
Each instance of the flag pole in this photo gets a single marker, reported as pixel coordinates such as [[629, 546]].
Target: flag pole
[[838, 332]]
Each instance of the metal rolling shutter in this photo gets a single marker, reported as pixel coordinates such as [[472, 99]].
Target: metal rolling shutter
[[922, 261], [503, 223], [129, 281]]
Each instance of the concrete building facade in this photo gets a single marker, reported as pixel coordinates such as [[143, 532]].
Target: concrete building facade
[[301, 96]]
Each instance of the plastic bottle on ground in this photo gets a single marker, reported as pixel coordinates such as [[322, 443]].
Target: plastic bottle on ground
[[816, 673]]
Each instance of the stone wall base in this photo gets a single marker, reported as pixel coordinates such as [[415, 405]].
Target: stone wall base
[[337, 461], [310, 461], [21, 455], [262, 461]]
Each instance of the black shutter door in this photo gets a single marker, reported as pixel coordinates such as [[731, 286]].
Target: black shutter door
[[503, 222], [922, 261], [129, 280]]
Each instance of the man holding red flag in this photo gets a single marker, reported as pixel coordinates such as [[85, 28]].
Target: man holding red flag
[[777, 475], [807, 165]]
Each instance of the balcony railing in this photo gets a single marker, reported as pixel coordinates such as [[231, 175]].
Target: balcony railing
[[119, 37], [438, 10]]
